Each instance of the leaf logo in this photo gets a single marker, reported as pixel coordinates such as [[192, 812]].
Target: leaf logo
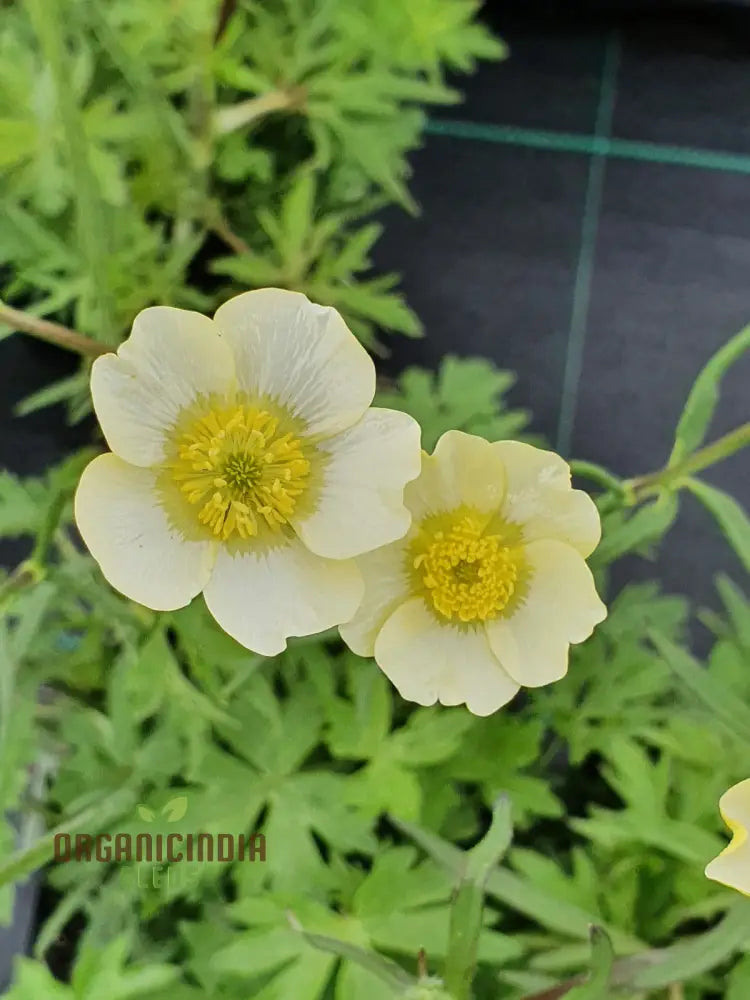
[[173, 811]]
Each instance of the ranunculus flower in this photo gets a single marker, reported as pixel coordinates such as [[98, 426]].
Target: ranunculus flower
[[732, 866], [246, 463], [489, 587]]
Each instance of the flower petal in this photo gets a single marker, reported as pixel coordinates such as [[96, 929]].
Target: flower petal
[[462, 470], [127, 531], [386, 587], [262, 597], [428, 662], [361, 502], [561, 607], [301, 355], [732, 866], [171, 357], [539, 497]]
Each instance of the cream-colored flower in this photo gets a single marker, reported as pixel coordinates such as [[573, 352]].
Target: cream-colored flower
[[490, 585], [732, 866], [246, 463]]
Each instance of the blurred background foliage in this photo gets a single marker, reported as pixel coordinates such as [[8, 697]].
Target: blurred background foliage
[[177, 151]]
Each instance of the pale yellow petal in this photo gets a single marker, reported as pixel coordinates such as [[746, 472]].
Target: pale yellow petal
[[428, 661], [261, 598], [386, 587], [301, 355], [539, 497], [560, 607], [360, 505], [172, 357], [463, 470], [127, 531], [732, 866]]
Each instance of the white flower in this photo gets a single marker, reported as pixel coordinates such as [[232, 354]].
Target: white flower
[[489, 587], [246, 463], [732, 866]]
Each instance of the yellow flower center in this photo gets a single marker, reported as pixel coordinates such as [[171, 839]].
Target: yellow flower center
[[235, 467], [464, 573]]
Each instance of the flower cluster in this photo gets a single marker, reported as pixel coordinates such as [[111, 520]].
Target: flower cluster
[[247, 463]]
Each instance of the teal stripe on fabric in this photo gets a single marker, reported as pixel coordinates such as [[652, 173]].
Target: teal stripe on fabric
[[573, 142]]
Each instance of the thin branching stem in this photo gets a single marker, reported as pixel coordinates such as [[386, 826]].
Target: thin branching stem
[[53, 333]]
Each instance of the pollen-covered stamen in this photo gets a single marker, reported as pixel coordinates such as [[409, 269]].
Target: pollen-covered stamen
[[466, 575], [231, 462]]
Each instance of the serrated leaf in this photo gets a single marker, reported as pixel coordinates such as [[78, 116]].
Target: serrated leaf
[[466, 394], [646, 526], [721, 702], [22, 505]]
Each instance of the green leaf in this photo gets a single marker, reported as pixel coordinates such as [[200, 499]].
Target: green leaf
[[22, 505], [694, 956], [646, 526], [466, 394], [602, 957], [739, 980], [18, 140], [730, 516], [722, 703], [518, 893], [701, 403], [34, 981], [297, 218], [104, 973], [386, 970]]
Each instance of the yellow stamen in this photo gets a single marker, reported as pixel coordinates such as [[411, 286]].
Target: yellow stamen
[[464, 573], [231, 463]]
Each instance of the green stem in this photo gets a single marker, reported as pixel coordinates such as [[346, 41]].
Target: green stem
[[468, 903], [24, 575], [589, 470], [88, 820], [51, 521], [653, 482], [48, 23]]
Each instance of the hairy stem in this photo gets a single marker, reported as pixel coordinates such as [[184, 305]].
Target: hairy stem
[[653, 482], [220, 225], [53, 333], [234, 116]]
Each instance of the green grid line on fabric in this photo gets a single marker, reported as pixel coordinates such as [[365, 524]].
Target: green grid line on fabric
[[574, 142]]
